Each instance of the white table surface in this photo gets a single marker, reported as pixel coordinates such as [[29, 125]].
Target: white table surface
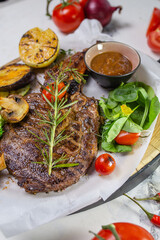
[[16, 17]]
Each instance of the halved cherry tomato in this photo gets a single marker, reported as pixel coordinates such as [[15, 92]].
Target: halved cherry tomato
[[105, 164], [127, 138], [154, 22], [153, 40], [126, 231], [49, 96], [67, 16]]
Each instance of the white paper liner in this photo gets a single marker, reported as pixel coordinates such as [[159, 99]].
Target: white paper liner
[[21, 211]]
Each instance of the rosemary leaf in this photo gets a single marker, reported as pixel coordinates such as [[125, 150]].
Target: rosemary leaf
[[46, 155], [63, 89], [62, 103], [69, 104], [78, 76], [51, 76], [45, 134], [49, 103], [62, 138], [40, 115], [63, 117], [50, 115], [62, 158], [42, 152], [59, 135], [40, 139], [43, 163], [46, 122], [65, 165], [59, 115]]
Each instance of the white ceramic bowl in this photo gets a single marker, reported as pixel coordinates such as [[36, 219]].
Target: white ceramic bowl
[[108, 81]]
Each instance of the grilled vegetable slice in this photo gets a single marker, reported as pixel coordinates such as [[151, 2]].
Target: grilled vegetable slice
[[22, 91], [38, 48], [15, 76], [2, 162], [15, 108]]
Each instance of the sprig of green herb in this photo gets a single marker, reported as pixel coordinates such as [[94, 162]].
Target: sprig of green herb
[[53, 120], [1, 126], [47, 8]]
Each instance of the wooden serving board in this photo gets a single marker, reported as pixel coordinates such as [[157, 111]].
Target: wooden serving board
[[153, 149]]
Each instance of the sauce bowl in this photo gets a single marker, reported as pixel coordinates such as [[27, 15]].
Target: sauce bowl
[[112, 81]]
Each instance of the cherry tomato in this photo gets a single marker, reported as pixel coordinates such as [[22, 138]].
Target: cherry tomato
[[127, 138], [153, 40], [154, 22], [126, 231], [68, 16], [83, 2], [49, 95], [105, 164]]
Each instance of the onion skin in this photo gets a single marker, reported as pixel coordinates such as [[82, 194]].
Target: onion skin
[[100, 10]]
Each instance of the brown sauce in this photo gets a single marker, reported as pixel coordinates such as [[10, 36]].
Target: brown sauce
[[111, 63]]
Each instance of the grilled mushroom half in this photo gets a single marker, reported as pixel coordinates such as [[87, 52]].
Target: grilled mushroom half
[[15, 108]]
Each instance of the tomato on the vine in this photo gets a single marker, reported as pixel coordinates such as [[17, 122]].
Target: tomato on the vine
[[67, 16], [125, 231], [105, 164], [49, 96], [127, 138], [154, 22], [153, 40], [83, 2]]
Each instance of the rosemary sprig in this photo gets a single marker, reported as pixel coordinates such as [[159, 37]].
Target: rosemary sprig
[[53, 120]]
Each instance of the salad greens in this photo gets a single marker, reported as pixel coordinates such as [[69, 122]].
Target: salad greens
[[131, 107]]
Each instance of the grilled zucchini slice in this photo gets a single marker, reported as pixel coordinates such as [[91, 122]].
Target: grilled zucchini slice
[[22, 91], [38, 48], [15, 76]]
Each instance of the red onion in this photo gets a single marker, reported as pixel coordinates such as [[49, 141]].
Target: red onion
[[100, 10]]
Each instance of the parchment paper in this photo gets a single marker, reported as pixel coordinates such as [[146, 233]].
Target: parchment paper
[[20, 211]]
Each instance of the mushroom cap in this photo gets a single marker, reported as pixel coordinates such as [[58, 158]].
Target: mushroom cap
[[15, 108]]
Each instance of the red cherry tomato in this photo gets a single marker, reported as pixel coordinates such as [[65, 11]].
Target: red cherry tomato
[[105, 164], [153, 40], [83, 2], [49, 96], [68, 17], [126, 231], [127, 138], [154, 22]]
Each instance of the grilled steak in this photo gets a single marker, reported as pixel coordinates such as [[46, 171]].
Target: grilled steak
[[75, 61], [21, 152]]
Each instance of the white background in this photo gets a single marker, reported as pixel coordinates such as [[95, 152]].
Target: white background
[[129, 27]]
